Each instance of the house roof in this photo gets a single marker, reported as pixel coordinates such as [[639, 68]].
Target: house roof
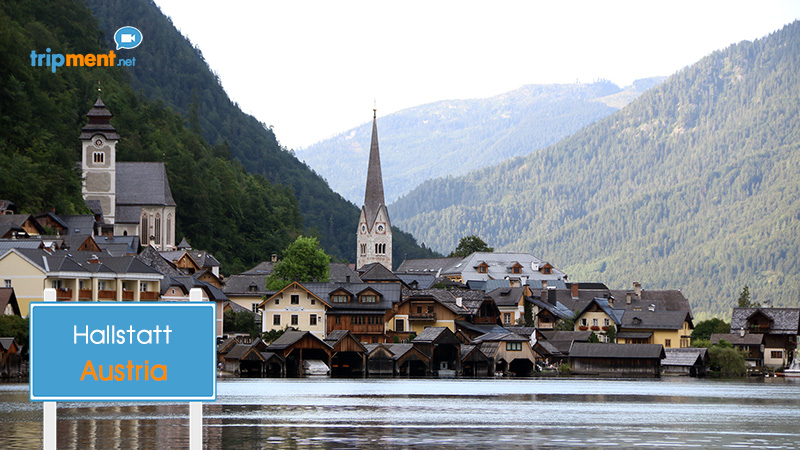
[[390, 293], [339, 273], [291, 337], [143, 183], [78, 223], [738, 339], [7, 342], [237, 352], [262, 268], [427, 265], [376, 272], [245, 285], [442, 296], [420, 280], [603, 303], [8, 297], [507, 296], [684, 356], [433, 335], [619, 351], [581, 336], [525, 332], [78, 261], [503, 336], [499, 267], [784, 320]]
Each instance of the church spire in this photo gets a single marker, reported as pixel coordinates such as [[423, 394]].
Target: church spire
[[373, 197]]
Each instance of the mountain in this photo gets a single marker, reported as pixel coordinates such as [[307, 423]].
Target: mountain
[[171, 70], [42, 113], [453, 137], [694, 185]]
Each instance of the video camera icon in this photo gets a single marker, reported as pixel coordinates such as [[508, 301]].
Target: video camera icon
[[128, 37]]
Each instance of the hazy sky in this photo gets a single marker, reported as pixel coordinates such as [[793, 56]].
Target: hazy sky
[[312, 69]]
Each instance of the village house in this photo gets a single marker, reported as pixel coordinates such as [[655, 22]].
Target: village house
[[510, 353], [420, 309], [511, 303], [518, 268], [616, 360], [654, 317], [78, 276], [750, 344], [297, 307], [8, 302], [778, 326]]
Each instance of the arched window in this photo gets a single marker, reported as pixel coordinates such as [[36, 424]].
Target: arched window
[[363, 249], [99, 157], [157, 227], [169, 229], [144, 230]]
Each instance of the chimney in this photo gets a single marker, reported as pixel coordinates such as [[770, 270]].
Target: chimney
[[574, 291], [637, 288], [94, 260], [274, 257], [610, 301], [460, 302], [741, 332], [551, 297], [628, 298]]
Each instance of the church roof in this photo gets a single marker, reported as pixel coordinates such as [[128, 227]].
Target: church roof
[[373, 197], [143, 183], [99, 122]]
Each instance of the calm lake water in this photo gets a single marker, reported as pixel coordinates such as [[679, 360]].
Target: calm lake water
[[450, 414]]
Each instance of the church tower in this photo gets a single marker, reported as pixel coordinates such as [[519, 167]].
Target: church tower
[[98, 159], [374, 229]]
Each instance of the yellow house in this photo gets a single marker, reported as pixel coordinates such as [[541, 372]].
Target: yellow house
[[296, 307], [654, 317], [598, 316], [77, 276]]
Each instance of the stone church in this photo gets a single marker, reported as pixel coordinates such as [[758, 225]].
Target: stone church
[[134, 196], [374, 242]]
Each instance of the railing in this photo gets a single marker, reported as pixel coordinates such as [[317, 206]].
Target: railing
[[422, 316], [148, 295], [127, 295], [367, 328], [63, 294], [85, 295], [106, 295]]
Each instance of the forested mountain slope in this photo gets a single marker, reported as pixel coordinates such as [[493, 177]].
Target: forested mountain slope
[[171, 70], [453, 137], [695, 185]]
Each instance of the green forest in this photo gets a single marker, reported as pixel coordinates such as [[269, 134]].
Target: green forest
[[453, 137], [224, 205], [695, 186]]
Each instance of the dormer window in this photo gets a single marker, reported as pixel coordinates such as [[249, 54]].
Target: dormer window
[[483, 268], [546, 269], [369, 298], [340, 298], [516, 268]]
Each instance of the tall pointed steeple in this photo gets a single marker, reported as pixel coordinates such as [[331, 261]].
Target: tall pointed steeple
[[373, 196], [374, 235]]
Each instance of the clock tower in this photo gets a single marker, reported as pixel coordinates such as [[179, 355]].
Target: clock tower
[[99, 158], [374, 234]]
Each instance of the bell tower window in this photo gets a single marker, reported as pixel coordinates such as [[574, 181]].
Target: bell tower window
[[99, 157]]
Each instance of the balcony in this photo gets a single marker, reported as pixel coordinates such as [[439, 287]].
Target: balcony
[[422, 317], [85, 295], [63, 294], [148, 295], [127, 296], [106, 295]]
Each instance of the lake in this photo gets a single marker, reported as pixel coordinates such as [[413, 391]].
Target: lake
[[428, 413]]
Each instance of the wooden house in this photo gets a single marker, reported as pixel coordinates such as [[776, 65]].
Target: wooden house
[[444, 349], [8, 302], [617, 360], [420, 309], [690, 361], [510, 353], [779, 326], [750, 344], [510, 302], [349, 356], [296, 347], [10, 361], [397, 360], [475, 363]]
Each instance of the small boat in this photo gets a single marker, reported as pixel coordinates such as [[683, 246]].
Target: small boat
[[794, 368]]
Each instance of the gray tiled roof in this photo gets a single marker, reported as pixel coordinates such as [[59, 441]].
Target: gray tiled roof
[[784, 320], [339, 273], [499, 267], [683, 356], [262, 268], [427, 265], [78, 223], [444, 297], [507, 296], [737, 339], [430, 334], [143, 183], [128, 214], [377, 272], [422, 280], [245, 285], [389, 294], [505, 336]]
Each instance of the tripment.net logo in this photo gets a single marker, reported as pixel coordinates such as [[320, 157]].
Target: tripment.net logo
[[125, 38]]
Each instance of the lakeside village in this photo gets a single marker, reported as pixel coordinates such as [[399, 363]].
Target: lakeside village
[[487, 314]]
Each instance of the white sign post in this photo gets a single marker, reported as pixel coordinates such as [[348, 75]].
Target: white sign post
[[50, 418]]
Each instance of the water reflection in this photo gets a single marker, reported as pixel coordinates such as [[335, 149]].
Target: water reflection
[[454, 414]]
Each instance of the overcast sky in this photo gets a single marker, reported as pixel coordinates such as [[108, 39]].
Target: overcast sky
[[312, 69]]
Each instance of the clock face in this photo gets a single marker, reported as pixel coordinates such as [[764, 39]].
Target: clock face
[[98, 142], [381, 228], [363, 228]]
